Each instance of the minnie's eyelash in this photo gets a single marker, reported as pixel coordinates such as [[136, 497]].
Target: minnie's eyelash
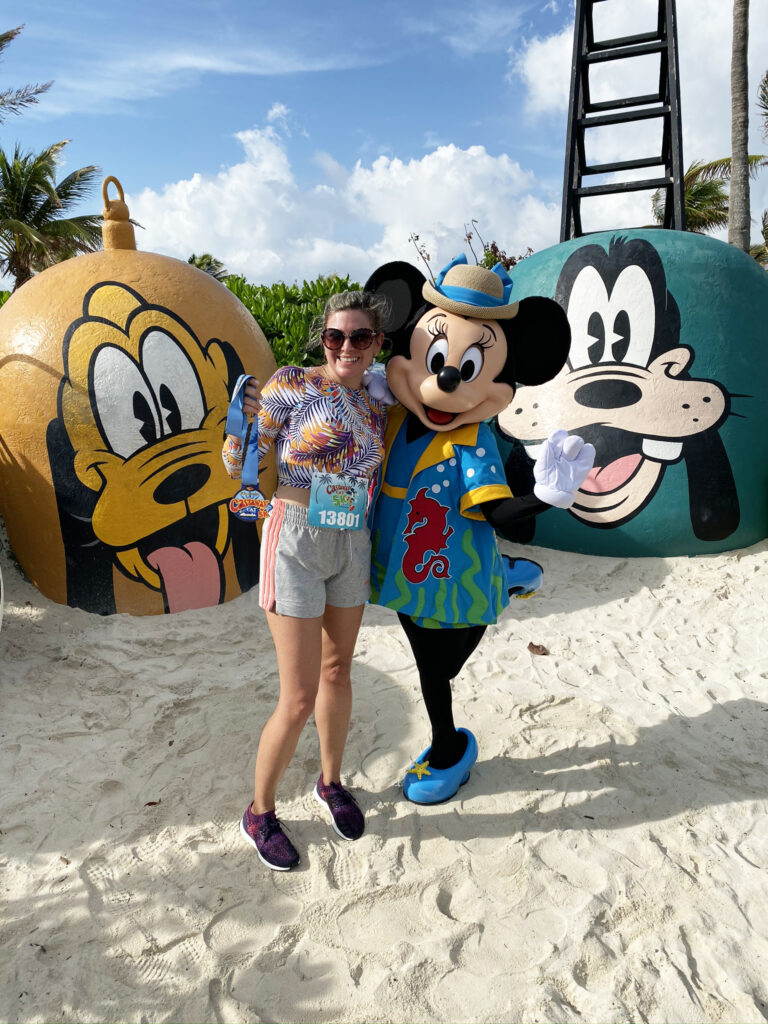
[[437, 329]]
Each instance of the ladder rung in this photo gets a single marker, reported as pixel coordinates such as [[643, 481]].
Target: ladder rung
[[599, 56], [623, 186], [622, 117], [629, 101], [610, 44], [623, 165]]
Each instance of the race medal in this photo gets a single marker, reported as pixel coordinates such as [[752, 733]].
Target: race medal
[[249, 504], [337, 501]]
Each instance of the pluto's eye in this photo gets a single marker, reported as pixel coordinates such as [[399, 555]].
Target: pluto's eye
[[436, 355], [471, 363], [174, 382], [124, 404]]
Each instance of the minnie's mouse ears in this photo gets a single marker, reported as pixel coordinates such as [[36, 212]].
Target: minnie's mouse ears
[[401, 283]]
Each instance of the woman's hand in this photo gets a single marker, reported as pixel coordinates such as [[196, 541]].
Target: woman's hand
[[251, 395]]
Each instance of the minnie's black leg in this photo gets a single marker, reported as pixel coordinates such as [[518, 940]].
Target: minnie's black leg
[[440, 655]]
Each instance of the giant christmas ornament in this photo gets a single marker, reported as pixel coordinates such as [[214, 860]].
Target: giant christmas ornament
[[666, 377], [115, 374]]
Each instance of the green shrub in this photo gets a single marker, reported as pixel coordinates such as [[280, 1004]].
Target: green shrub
[[4, 296], [285, 313]]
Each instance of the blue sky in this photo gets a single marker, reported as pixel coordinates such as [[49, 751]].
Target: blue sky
[[298, 139]]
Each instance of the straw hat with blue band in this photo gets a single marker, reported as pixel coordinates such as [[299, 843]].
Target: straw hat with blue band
[[472, 291]]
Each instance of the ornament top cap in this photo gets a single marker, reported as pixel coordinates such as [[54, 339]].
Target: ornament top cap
[[116, 229]]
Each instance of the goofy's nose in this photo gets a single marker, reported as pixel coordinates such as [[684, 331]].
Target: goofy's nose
[[608, 394], [448, 379]]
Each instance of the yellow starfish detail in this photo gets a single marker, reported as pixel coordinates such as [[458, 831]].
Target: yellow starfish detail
[[419, 769]]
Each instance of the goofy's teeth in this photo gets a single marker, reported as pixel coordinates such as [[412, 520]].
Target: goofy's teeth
[[662, 451]]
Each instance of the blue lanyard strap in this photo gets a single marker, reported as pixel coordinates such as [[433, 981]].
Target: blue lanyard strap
[[248, 431]]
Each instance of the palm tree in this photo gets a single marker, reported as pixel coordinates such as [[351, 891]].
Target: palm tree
[[210, 265], [759, 251], [706, 193], [738, 213], [13, 101], [34, 233], [762, 103]]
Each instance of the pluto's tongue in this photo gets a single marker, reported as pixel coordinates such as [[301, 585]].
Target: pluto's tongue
[[607, 478], [191, 575]]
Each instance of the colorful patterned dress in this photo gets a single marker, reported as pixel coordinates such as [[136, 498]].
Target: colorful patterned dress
[[435, 557]]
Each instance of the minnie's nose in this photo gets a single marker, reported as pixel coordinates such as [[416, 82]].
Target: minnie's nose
[[448, 379]]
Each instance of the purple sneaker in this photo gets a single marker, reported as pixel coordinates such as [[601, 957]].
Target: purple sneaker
[[346, 817], [264, 832]]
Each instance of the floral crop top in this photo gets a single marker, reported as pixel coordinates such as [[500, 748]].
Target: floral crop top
[[317, 425]]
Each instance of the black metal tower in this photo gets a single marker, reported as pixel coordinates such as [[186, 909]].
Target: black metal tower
[[583, 113]]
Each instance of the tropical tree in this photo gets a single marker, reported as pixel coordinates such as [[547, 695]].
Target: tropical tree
[[738, 212], [35, 232], [210, 265], [706, 193], [762, 103], [13, 101], [759, 251]]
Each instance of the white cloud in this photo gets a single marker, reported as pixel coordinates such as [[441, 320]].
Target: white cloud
[[278, 114], [469, 27], [102, 85], [256, 218]]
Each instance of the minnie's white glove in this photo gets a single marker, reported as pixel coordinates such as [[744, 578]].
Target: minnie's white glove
[[561, 468], [375, 383]]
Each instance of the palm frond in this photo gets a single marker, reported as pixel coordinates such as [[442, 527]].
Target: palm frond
[[34, 229], [13, 101], [8, 36], [700, 171], [762, 103]]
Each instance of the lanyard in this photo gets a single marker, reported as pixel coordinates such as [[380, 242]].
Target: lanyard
[[249, 503], [247, 429]]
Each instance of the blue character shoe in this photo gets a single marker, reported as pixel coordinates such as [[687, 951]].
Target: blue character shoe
[[425, 785], [523, 576]]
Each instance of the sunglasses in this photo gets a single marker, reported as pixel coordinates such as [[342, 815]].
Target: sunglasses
[[332, 338]]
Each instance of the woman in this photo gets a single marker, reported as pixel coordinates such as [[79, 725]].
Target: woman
[[315, 555]]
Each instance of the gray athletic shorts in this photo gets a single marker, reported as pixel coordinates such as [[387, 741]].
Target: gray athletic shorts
[[304, 568]]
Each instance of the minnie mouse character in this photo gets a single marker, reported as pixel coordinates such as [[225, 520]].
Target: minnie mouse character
[[459, 347]]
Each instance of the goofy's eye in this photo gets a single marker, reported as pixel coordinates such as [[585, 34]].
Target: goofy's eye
[[471, 363], [436, 355]]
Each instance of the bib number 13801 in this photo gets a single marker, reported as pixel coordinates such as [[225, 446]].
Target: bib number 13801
[[344, 520], [337, 501]]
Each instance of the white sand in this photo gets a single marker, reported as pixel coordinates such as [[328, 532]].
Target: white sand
[[606, 862]]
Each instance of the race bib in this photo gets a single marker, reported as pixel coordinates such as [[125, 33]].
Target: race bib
[[337, 501]]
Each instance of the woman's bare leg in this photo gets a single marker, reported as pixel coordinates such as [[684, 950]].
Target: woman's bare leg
[[333, 704], [299, 647]]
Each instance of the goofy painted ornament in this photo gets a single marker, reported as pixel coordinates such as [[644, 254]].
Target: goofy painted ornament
[[668, 357], [115, 375], [459, 349]]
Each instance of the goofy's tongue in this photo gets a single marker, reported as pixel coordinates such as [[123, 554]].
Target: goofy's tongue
[[191, 575], [603, 479]]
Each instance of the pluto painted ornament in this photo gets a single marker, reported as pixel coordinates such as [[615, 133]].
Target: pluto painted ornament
[[115, 374], [666, 376]]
